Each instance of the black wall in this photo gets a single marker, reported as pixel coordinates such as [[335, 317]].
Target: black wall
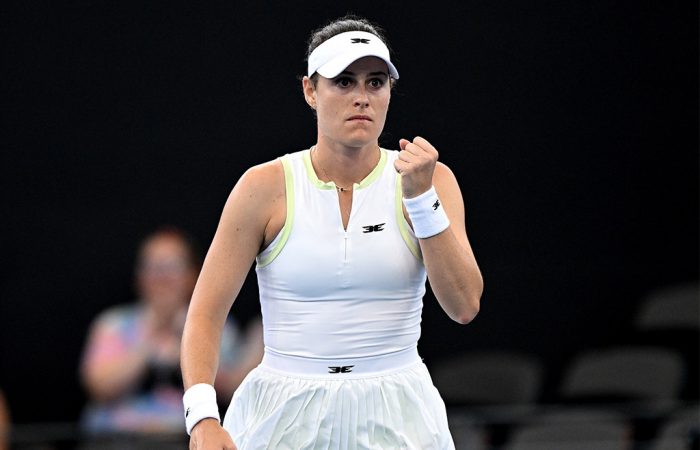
[[571, 125]]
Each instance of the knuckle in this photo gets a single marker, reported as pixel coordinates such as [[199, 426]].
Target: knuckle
[[422, 140]]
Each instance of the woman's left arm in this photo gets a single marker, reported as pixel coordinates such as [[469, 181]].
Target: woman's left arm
[[448, 257]]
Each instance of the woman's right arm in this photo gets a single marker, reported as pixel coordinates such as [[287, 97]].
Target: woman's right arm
[[238, 239]]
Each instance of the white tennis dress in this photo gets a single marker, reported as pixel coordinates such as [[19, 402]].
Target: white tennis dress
[[341, 313]]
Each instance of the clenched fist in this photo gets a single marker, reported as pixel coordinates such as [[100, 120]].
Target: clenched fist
[[416, 164]]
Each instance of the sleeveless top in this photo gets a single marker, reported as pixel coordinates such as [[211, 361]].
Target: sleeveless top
[[327, 292]]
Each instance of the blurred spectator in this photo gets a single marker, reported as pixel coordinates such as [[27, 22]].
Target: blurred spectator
[[130, 366], [4, 423]]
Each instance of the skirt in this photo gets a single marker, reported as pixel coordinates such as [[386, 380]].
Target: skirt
[[383, 403]]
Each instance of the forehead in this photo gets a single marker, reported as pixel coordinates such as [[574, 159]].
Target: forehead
[[367, 64], [161, 246]]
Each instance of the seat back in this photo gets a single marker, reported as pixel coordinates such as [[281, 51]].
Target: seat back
[[489, 378], [624, 373]]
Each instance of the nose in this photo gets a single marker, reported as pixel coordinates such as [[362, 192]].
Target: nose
[[361, 98]]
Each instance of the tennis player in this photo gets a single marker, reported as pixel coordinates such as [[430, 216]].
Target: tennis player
[[343, 234]]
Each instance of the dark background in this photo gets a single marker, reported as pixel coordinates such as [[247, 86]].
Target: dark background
[[571, 125]]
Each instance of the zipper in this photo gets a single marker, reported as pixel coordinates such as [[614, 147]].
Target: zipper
[[345, 252]]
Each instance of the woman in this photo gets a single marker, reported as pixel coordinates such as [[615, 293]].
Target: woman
[[343, 235], [131, 365]]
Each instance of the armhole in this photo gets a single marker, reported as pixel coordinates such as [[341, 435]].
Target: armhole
[[404, 228], [270, 253]]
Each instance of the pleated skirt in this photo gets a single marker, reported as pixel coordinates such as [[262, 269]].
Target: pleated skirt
[[396, 409]]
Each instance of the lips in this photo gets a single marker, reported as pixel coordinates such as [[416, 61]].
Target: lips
[[360, 117]]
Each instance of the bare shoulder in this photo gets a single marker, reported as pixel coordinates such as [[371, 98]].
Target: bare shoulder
[[444, 177], [447, 187], [263, 178], [257, 202], [260, 185], [443, 169]]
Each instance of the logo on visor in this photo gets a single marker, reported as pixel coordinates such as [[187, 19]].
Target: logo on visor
[[359, 41]]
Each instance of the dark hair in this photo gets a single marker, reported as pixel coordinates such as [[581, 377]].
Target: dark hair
[[343, 24], [195, 253]]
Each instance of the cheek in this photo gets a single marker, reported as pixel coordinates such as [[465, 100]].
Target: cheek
[[382, 103], [387, 97], [327, 112]]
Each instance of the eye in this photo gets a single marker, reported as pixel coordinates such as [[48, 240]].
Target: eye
[[343, 81], [376, 83]]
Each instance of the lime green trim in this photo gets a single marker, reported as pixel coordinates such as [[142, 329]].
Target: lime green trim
[[375, 173], [403, 224], [311, 173], [288, 221], [328, 185]]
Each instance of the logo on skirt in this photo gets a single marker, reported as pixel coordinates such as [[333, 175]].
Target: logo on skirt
[[340, 369]]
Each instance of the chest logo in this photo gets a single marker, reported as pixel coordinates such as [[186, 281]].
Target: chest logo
[[373, 228], [340, 369], [436, 205]]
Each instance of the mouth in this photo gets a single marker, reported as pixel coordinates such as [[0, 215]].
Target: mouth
[[360, 118]]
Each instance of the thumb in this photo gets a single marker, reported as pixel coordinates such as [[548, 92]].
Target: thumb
[[403, 143]]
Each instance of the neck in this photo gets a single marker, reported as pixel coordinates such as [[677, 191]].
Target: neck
[[342, 164], [166, 318]]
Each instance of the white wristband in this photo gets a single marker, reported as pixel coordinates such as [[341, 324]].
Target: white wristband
[[200, 403], [427, 214]]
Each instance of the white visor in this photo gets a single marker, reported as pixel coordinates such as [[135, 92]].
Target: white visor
[[337, 53]]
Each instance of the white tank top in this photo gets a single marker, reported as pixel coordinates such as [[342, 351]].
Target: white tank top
[[327, 292]]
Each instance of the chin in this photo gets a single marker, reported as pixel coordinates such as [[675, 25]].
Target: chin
[[352, 139], [361, 140]]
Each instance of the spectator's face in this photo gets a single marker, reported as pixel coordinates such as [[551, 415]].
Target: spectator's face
[[165, 276]]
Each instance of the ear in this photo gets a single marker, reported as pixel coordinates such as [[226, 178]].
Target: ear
[[309, 91]]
